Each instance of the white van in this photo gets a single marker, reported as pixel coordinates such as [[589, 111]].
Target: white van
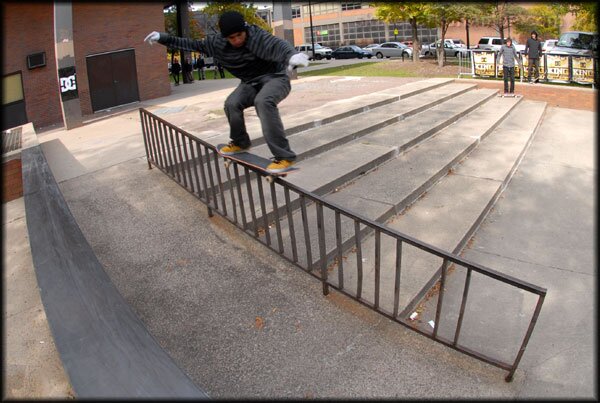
[[320, 51], [495, 43]]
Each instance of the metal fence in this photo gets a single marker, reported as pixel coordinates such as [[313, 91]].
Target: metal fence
[[320, 237]]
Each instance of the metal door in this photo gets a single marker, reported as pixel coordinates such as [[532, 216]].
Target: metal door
[[113, 79]]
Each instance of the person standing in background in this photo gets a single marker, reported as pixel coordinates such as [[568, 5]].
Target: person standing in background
[[533, 50], [508, 56], [175, 70]]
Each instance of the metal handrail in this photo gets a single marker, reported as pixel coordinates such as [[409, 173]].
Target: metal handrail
[[193, 163]]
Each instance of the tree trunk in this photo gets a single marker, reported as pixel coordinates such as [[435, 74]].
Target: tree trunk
[[416, 42], [441, 52]]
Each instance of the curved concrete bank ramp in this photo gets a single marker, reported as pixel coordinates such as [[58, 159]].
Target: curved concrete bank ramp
[[105, 348]]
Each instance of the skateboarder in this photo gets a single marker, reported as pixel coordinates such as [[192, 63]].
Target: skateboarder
[[259, 60], [508, 56]]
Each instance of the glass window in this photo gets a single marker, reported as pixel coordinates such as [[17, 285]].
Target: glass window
[[296, 12], [350, 6], [12, 89]]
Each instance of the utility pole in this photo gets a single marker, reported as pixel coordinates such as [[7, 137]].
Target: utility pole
[[183, 31], [312, 33]]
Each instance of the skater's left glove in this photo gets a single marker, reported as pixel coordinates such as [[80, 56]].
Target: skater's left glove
[[299, 59]]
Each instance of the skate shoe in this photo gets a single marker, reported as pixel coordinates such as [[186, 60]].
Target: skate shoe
[[231, 149], [279, 165]]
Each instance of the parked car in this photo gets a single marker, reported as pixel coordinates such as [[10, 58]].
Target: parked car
[[392, 49], [321, 52], [369, 48], [350, 52], [577, 43], [408, 43], [548, 44], [450, 49], [495, 43], [458, 42]]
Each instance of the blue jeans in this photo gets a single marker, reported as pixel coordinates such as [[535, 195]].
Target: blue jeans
[[509, 76], [264, 95]]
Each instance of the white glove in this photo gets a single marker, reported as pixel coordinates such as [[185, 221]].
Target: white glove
[[299, 59], [152, 37]]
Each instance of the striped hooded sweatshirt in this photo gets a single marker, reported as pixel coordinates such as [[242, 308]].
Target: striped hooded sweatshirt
[[262, 54]]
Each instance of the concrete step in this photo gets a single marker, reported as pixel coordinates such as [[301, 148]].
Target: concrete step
[[446, 216], [325, 173], [396, 184], [320, 139], [331, 111]]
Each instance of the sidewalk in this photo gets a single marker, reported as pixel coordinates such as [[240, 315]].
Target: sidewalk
[[254, 326]]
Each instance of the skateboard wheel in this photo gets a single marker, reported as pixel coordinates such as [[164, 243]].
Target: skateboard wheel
[[227, 164], [270, 179]]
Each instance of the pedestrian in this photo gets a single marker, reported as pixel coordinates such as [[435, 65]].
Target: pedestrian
[[201, 64], [175, 70], [508, 56], [188, 70], [259, 60], [533, 50], [215, 67], [219, 68]]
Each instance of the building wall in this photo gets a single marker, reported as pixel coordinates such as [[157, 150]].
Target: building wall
[[12, 182], [29, 28], [456, 30], [109, 27], [339, 18], [97, 28]]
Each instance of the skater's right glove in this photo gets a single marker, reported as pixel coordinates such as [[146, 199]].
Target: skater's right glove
[[299, 59], [152, 37]]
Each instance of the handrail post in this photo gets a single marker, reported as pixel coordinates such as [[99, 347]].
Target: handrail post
[[323, 254], [534, 318]]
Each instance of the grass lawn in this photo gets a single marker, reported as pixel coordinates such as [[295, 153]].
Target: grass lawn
[[367, 69], [392, 68]]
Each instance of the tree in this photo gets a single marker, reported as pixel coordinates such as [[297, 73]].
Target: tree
[[545, 19], [216, 8], [471, 12], [500, 14], [585, 16], [195, 31], [444, 14], [415, 13]]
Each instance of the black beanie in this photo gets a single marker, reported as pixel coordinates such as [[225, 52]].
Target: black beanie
[[231, 22]]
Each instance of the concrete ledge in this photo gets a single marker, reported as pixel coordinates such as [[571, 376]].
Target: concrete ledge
[[104, 347]]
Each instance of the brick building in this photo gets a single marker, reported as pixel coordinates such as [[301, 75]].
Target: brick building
[[113, 65], [346, 23]]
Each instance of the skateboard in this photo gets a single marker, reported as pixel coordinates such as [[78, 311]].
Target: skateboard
[[255, 161], [508, 96]]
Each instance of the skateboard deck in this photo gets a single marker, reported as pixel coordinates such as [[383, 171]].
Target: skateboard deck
[[255, 161], [508, 96]]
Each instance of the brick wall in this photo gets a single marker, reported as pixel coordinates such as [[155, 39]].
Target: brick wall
[[12, 181], [97, 27], [29, 28], [108, 27]]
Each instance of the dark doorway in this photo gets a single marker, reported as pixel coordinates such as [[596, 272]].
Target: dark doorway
[[13, 101], [113, 79]]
